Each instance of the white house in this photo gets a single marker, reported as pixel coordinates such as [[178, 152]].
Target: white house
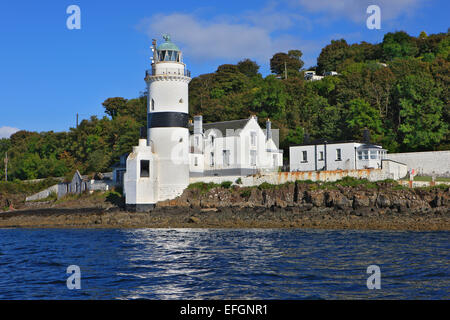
[[346, 155], [237, 147], [311, 76]]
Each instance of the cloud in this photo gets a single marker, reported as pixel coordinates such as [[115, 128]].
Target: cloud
[[6, 132], [356, 9], [248, 35]]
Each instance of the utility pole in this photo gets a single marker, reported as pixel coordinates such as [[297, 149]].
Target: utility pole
[[6, 166], [285, 70], [77, 120]]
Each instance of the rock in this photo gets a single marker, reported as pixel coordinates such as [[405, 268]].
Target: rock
[[383, 201], [194, 219], [360, 200]]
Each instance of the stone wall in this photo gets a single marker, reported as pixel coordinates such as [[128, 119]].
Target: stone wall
[[433, 163]]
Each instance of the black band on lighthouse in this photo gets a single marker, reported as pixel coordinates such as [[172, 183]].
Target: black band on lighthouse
[[167, 119]]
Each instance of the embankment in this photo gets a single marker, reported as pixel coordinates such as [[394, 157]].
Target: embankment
[[340, 205]]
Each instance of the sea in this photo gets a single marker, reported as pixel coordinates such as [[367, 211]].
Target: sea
[[223, 264]]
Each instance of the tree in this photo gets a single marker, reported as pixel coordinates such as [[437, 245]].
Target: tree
[[248, 67], [398, 45], [332, 55], [113, 106], [291, 61], [422, 126], [361, 115]]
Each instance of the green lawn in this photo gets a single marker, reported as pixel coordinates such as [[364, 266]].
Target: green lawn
[[428, 178]]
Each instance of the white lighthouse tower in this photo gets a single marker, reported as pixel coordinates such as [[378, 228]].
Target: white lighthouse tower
[[166, 172]]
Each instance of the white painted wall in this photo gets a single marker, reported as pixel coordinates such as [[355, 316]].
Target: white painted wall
[[137, 189], [390, 170], [347, 162], [430, 163], [239, 145]]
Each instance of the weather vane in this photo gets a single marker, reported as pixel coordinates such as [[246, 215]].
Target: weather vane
[[166, 37]]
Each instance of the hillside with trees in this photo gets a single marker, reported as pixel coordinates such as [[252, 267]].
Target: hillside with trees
[[399, 89]]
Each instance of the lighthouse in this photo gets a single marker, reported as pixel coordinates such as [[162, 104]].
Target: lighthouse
[[158, 168]]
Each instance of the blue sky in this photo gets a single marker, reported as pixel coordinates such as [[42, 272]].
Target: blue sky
[[48, 73]]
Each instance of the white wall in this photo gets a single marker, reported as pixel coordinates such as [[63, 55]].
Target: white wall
[[390, 170], [347, 161], [425, 163], [239, 146]]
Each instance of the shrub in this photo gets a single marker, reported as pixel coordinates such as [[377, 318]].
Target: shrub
[[238, 181], [246, 193], [226, 184]]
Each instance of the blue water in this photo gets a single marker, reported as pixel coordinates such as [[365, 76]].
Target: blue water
[[223, 264]]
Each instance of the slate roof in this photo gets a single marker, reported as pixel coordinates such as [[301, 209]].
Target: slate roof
[[223, 125]]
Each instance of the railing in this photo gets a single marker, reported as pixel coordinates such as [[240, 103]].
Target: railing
[[168, 71]]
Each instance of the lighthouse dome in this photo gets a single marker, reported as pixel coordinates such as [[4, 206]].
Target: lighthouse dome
[[168, 44], [168, 51]]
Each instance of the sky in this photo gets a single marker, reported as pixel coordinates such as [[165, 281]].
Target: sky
[[49, 73]]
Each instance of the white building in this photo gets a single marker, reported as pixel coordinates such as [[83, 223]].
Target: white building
[[237, 147], [158, 169], [311, 76], [347, 155]]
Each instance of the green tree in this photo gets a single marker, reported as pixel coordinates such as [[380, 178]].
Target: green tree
[[422, 126], [290, 61], [113, 106], [360, 115]]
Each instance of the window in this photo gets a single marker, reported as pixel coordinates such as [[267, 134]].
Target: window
[[304, 156], [253, 157], [153, 104], [253, 138], [338, 155], [373, 154], [366, 155], [181, 100], [275, 160], [226, 157], [212, 140], [360, 155], [145, 168], [211, 163], [320, 155], [195, 161], [197, 141]]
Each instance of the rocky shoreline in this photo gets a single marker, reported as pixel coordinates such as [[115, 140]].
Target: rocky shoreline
[[380, 206]]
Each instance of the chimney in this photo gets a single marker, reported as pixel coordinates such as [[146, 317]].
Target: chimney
[[366, 136], [142, 133], [268, 129], [306, 138], [198, 124]]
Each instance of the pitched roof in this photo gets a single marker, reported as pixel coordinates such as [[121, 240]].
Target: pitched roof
[[223, 125]]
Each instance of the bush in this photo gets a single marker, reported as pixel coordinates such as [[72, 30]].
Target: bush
[[246, 193], [203, 187], [226, 184], [238, 181]]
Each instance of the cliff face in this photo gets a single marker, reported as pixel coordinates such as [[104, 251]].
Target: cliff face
[[305, 197]]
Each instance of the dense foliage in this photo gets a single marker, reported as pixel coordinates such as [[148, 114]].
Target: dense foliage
[[399, 89]]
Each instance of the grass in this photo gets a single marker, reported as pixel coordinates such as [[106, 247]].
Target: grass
[[202, 186], [28, 188], [428, 179]]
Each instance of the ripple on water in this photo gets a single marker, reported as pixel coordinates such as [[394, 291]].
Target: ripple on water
[[223, 264]]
